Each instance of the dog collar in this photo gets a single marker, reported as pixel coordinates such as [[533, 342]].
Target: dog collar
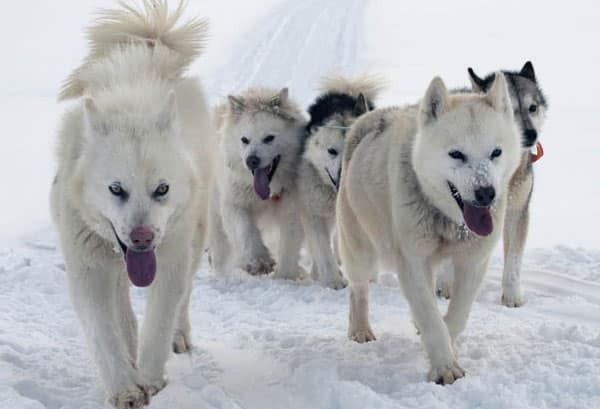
[[538, 154]]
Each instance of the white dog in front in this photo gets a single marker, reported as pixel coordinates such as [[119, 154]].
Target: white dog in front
[[421, 184], [129, 199], [261, 135]]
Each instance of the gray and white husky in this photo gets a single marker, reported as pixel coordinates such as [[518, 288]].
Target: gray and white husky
[[421, 185], [341, 102], [261, 138], [129, 199], [530, 106]]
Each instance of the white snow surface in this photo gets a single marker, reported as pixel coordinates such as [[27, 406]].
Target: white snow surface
[[262, 343]]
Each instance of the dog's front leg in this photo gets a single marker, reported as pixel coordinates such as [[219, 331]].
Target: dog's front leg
[[468, 275], [95, 296], [318, 236], [290, 243], [253, 255], [516, 225], [414, 279], [165, 297]]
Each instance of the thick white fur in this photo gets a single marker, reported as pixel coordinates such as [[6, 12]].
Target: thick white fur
[[395, 210], [141, 123], [237, 213], [316, 191]]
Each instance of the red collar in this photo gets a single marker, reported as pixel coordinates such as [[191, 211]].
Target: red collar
[[538, 154]]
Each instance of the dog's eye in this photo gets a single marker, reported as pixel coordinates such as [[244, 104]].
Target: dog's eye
[[533, 108], [496, 153], [268, 138], [161, 190], [457, 155], [117, 190], [332, 152], [245, 140]]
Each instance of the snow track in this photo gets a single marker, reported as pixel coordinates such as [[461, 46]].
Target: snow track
[[262, 343]]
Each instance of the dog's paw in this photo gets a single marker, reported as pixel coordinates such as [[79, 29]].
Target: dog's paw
[[335, 281], [134, 397], [446, 374], [297, 273], [260, 265], [182, 342], [361, 335], [443, 288], [512, 299], [154, 387]]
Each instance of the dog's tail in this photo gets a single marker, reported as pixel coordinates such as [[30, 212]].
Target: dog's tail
[[141, 22], [368, 85]]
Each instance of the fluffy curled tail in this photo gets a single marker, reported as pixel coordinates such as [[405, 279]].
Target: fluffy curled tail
[[141, 22], [368, 85]]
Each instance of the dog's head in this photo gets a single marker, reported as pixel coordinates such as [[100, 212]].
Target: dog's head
[[330, 117], [263, 137], [465, 152], [135, 178], [528, 100]]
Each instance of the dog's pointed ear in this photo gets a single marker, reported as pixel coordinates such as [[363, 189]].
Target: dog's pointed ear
[[92, 118], [361, 106], [435, 102], [236, 104], [528, 72], [169, 112], [498, 96], [281, 97], [477, 83]]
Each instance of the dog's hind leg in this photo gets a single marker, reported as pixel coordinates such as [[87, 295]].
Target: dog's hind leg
[[220, 251], [468, 275], [516, 225]]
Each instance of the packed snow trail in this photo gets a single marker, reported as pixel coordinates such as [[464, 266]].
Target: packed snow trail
[[263, 343]]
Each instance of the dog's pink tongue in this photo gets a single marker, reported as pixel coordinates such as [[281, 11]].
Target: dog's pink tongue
[[261, 183], [478, 219], [141, 266]]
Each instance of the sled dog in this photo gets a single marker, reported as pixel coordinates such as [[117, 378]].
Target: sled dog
[[422, 184], [129, 198], [261, 135], [341, 101]]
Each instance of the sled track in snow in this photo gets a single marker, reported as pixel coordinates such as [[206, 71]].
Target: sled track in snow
[[296, 45]]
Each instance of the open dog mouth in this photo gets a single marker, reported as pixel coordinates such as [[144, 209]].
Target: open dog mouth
[[477, 218], [141, 265], [336, 183], [263, 177]]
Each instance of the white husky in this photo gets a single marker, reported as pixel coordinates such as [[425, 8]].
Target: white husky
[[261, 137], [421, 185], [129, 198], [342, 101]]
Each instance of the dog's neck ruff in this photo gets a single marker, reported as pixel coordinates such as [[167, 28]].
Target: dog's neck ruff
[[538, 154]]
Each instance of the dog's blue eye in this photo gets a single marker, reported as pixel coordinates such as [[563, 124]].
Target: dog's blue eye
[[457, 155], [161, 190], [245, 140], [532, 108], [268, 138], [117, 190], [332, 152]]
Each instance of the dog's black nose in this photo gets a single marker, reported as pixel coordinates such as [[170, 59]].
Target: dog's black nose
[[253, 162], [530, 136], [485, 195]]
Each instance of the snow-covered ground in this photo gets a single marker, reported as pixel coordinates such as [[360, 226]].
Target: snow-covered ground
[[266, 344]]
